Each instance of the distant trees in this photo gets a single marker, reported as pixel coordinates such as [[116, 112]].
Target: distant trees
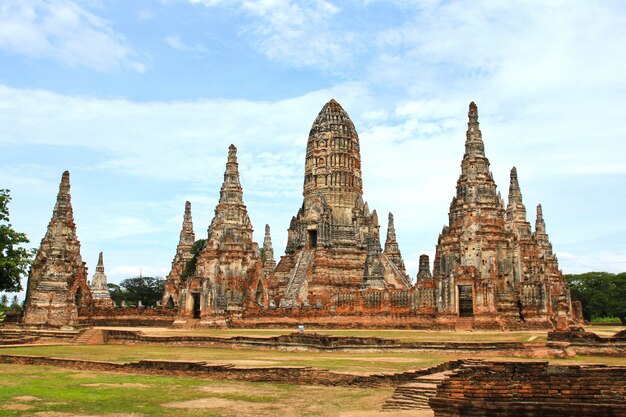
[[14, 259], [602, 294], [148, 290]]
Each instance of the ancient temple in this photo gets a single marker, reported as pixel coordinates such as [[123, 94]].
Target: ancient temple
[[183, 255], [227, 271], [488, 263], [98, 286], [57, 281], [333, 241]]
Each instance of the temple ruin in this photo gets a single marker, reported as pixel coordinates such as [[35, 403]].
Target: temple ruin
[[57, 281], [491, 269], [333, 242]]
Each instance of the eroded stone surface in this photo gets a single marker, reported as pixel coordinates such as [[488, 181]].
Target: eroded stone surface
[[57, 281], [333, 242]]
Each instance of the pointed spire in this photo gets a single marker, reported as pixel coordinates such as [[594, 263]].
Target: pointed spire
[[231, 222], [99, 280], [423, 274], [516, 211], [63, 207], [474, 145], [540, 225], [392, 250], [268, 249], [100, 266], [231, 191], [391, 229], [187, 236]]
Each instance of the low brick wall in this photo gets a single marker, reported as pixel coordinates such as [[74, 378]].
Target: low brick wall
[[313, 341], [588, 343], [286, 375], [528, 389]]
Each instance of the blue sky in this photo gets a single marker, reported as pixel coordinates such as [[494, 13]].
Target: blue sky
[[140, 100]]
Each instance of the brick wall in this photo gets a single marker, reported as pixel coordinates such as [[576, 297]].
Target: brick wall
[[528, 389]]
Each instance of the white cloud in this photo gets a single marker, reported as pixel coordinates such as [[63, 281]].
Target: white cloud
[[300, 33], [63, 31], [175, 42]]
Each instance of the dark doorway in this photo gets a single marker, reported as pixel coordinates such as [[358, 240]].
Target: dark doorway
[[78, 297], [466, 301], [312, 238], [170, 302], [196, 305]]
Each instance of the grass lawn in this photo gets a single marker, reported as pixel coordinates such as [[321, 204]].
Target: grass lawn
[[52, 392], [403, 335], [357, 362]]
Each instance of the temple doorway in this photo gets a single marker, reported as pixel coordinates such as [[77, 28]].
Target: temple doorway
[[196, 305], [466, 301], [312, 239], [170, 302], [78, 297]]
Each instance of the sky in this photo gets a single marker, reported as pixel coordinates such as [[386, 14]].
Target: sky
[[140, 100]]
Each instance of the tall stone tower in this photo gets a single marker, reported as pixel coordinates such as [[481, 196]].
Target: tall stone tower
[[469, 249], [99, 291], [488, 264], [228, 267], [57, 282], [183, 255], [333, 242]]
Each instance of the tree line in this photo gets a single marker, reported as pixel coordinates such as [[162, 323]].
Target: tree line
[[602, 294]]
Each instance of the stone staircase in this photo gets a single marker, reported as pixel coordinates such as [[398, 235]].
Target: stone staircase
[[297, 279], [89, 337], [464, 324], [415, 395]]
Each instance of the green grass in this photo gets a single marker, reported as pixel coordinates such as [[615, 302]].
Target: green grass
[[52, 390], [338, 361], [403, 335]]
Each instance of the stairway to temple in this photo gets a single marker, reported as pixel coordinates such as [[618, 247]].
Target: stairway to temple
[[464, 324], [89, 336], [507, 305], [415, 395], [297, 279]]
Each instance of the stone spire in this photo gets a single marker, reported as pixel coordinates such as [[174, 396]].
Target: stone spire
[[187, 236], [269, 261], [99, 279], [392, 251], [516, 211], [423, 273], [231, 223], [183, 255], [99, 290], [333, 162], [57, 282], [474, 146], [540, 232]]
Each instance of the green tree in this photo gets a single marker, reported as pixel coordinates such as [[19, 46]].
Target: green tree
[[602, 294], [148, 290], [190, 266], [14, 259]]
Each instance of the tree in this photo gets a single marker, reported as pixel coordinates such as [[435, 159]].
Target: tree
[[601, 294], [148, 290], [14, 259]]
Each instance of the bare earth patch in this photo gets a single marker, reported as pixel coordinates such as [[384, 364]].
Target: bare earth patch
[[395, 413], [242, 407], [59, 414], [17, 407], [25, 398]]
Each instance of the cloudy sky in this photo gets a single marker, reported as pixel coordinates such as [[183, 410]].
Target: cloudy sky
[[139, 100]]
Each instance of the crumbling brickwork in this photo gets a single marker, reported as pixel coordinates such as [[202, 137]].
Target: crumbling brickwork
[[57, 281]]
